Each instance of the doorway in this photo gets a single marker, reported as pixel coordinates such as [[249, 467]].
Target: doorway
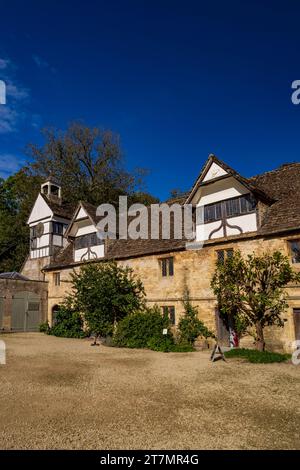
[[222, 329], [26, 312], [296, 314]]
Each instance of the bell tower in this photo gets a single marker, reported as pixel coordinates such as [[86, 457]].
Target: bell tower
[[52, 190], [48, 221]]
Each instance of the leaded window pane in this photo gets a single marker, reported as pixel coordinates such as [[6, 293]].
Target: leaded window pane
[[171, 266], [164, 267], [172, 315], [232, 207], [209, 213], [221, 256], [165, 311], [218, 211]]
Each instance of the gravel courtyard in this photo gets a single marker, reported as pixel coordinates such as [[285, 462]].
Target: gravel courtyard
[[64, 394]]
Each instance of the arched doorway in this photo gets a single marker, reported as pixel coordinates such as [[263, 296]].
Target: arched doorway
[[55, 310]]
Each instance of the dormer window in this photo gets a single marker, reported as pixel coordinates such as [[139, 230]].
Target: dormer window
[[86, 241], [229, 208]]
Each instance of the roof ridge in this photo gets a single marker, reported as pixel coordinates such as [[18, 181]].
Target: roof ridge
[[274, 170]]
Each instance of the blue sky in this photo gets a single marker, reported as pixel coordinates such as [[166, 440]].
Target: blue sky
[[176, 80]]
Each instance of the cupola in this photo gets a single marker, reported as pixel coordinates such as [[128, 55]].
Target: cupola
[[52, 190]]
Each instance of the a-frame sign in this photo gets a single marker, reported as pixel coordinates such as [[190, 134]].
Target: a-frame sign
[[217, 353]]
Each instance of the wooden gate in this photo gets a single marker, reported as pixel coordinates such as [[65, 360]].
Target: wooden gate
[[296, 312], [26, 312]]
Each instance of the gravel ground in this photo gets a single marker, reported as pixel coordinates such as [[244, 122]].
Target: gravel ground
[[63, 394]]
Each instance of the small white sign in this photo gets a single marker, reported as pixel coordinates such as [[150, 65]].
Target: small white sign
[[165, 331]]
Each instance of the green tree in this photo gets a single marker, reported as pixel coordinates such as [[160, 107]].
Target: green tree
[[88, 164], [190, 326], [105, 293], [143, 198], [17, 195], [251, 290]]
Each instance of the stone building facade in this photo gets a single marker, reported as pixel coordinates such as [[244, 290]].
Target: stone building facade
[[259, 214]]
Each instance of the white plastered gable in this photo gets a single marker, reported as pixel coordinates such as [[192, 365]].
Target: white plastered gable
[[214, 171], [81, 214], [81, 223], [40, 211]]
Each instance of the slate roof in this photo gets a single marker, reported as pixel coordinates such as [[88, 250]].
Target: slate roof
[[14, 275], [281, 194]]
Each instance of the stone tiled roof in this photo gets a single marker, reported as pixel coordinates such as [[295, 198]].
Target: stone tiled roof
[[118, 249], [281, 188], [91, 211]]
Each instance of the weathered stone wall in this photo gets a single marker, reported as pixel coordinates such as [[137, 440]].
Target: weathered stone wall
[[193, 270], [32, 268], [10, 287], [56, 294]]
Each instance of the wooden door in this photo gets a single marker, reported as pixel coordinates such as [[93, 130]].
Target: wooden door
[[296, 312]]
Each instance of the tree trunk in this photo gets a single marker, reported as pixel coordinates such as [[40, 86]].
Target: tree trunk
[[260, 340]]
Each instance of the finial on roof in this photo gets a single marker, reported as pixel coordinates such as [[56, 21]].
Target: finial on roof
[[51, 179]]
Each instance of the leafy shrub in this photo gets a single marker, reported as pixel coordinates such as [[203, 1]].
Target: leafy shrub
[[69, 322], [44, 328], [145, 330], [137, 329], [163, 343], [190, 327], [255, 356]]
